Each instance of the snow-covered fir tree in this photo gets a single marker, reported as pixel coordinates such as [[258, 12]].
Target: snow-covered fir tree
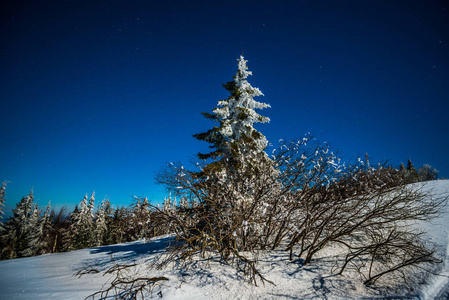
[[238, 161], [235, 140], [236, 180], [169, 204], [20, 227], [91, 206], [81, 230], [45, 230], [82, 225], [68, 236], [87, 222], [34, 233], [101, 226], [141, 219]]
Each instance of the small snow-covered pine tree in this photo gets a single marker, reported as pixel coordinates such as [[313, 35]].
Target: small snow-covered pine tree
[[34, 233], [108, 236], [81, 229], [19, 228], [169, 204], [91, 206], [69, 236], [141, 219], [82, 237], [46, 228], [87, 222], [100, 223]]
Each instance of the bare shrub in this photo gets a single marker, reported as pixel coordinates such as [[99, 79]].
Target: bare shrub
[[223, 217], [385, 251], [304, 199], [367, 209], [123, 285]]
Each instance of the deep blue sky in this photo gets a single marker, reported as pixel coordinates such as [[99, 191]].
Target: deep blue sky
[[98, 95]]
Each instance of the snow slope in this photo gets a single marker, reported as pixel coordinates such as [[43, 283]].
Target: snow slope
[[52, 276], [438, 232]]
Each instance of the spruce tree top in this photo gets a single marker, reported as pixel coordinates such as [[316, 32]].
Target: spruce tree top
[[236, 116], [410, 166]]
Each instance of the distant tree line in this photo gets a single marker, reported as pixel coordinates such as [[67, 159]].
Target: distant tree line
[[411, 175], [30, 232]]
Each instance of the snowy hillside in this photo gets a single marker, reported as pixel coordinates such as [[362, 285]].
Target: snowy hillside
[[53, 276]]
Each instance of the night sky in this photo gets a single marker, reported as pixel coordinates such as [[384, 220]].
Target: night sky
[[98, 95]]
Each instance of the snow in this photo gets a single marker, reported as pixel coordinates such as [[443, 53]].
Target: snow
[[47, 277], [438, 232], [52, 276]]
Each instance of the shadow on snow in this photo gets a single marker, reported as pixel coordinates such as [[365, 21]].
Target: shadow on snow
[[126, 253], [135, 248]]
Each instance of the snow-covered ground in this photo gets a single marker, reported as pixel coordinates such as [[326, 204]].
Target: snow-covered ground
[[53, 276], [438, 232]]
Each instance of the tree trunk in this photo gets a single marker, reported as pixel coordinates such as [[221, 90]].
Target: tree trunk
[[54, 244]]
